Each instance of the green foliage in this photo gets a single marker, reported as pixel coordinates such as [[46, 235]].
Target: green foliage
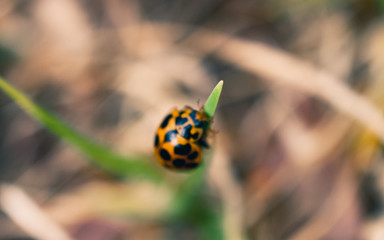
[[380, 6], [189, 205], [7, 59], [98, 154], [211, 103], [102, 156]]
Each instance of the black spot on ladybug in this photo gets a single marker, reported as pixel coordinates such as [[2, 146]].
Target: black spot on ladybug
[[165, 121], [196, 121], [193, 155], [195, 136], [191, 165], [183, 149], [186, 132], [181, 120], [157, 140], [170, 136], [193, 115], [165, 155], [178, 162]]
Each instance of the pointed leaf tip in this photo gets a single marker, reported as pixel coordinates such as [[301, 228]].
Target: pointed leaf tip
[[211, 103]]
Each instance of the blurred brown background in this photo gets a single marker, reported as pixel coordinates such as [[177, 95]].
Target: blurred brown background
[[297, 153]]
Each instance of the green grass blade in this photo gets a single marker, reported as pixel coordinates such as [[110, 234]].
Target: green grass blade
[[193, 184], [211, 103], [189, 203], [98, 154]]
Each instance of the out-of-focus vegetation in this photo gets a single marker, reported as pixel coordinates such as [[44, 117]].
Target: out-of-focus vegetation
[[296, 146], [126, 167]]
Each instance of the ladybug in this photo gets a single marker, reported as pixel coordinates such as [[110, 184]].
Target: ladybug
[[180, 138]]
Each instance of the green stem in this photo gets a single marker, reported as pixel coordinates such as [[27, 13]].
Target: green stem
[[98, 154]]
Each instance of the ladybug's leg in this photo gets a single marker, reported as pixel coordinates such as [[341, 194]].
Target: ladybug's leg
[[203, 143], [196, 133], [188, 107]]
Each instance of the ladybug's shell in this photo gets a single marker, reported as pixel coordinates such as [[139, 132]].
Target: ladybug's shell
[[180, 137]]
